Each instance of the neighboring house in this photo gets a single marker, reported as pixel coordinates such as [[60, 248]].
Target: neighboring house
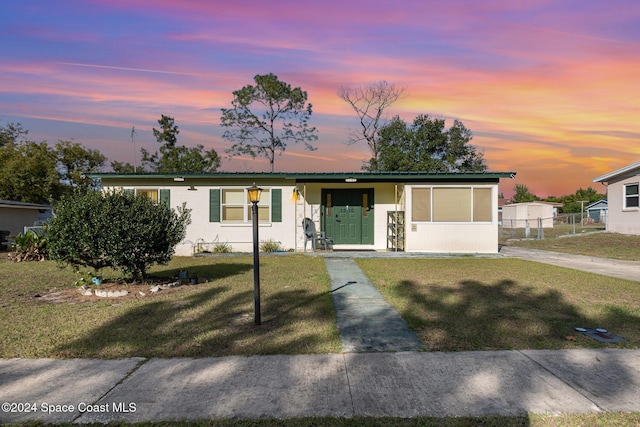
[[597, 211], [519, 215], [501, 202], [623, 197], [414, 212], [15, 216]]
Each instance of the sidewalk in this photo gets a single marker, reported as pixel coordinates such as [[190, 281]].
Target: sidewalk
[[404, 384]]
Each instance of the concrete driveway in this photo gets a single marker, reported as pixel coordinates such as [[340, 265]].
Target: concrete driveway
[[629, 270]]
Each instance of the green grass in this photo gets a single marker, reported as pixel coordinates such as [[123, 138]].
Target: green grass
[[500, 304], [605, 245], [616, 419], [453, 304], [210, 319]]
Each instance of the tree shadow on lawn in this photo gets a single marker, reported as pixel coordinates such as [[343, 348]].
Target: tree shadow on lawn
[[207, 271], [505, 315], [471, 315], [217, 321]]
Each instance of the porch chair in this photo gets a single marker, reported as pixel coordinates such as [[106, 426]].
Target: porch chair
[[310, 233]]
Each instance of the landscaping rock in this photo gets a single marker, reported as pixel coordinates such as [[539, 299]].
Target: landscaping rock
[[111, 294], [158, 288], [171, 285], [84, 291]]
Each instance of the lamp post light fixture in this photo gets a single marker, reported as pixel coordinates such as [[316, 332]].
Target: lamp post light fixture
[[254, 193]]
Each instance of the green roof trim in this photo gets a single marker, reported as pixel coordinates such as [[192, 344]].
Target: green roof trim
[[319, 176]]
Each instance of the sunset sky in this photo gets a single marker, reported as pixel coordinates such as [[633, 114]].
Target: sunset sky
[[550, 89]]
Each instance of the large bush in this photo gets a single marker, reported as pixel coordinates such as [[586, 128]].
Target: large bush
[[115, 229]]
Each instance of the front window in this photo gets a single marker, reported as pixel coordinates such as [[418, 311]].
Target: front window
[[236, 206], [233, 205], [452, 204], [151, 194], [421, 204], [631, 196]]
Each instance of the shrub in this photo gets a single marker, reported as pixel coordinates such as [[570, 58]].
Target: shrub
[[79, 234], [29, 246], [222, 248], [115, 229], [270, 246]]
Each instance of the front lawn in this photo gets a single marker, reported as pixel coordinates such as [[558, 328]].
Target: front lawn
[[501, 304], [453, 304], [209, 319]]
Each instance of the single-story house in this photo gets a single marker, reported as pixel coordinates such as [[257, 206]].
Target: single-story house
[[15, 216], [597, 211], [623, 199], [519, 215], [398, 211]]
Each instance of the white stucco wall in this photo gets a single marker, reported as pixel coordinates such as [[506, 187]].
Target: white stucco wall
[[238, 235], [453, 237], [621, 220], [205, 233], [469, 237]]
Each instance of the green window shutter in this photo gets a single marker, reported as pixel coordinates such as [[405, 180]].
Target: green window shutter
[[276, 205], [165, 197], [214, 205], [129, 191]]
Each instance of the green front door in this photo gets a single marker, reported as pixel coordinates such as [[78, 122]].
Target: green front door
[[348, 215]]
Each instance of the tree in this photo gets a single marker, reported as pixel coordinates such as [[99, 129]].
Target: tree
[[11, 132], [426, 145], [173, 158], [75, 161], [571, 202], [168, 135], [28, 173], [35, 172], [265, 117], [115, 229], [120, 167], [521, 194], [369, 102]]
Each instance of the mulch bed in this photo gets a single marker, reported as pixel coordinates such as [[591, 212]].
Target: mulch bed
[[136, 291]]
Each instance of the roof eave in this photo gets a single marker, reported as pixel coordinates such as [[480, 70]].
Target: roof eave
[[607, 177], [321, 176]]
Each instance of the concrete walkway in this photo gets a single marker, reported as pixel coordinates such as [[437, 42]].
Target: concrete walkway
[[629, 270], [404, 384], [365, 320]]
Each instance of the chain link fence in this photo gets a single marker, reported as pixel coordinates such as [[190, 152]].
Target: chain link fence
[[544, 228]]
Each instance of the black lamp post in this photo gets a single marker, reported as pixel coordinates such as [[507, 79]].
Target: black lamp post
[[254, 197]]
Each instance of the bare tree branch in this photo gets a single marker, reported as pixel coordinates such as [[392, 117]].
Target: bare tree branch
[[369, 102]]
